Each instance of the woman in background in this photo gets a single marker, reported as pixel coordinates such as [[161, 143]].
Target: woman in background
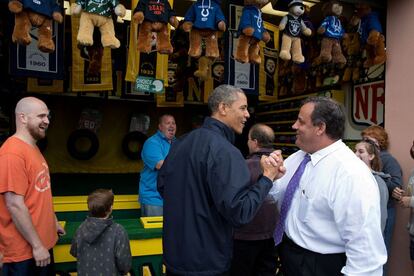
[[368, 152], [390, 166]]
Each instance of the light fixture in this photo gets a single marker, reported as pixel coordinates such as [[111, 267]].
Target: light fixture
[[267, 9]]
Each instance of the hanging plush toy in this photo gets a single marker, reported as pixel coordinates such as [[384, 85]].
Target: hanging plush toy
[[154, 16], [352, 48], [36, 13], [203, 20], [293, 26], [332, 31], [371, 35], [98, 14], [251, 32]]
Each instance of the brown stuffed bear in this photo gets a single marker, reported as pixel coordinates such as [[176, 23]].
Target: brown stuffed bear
[[98, 14], [293, 26], [203, 20], [28, 14], [351, 46], [332, 31], [153, 16], [251, 31], [372, 38]]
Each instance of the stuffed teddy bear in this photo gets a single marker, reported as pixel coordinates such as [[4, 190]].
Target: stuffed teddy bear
[[372, 38], [37, 13], [293, 26], [351, 47], [203, 20], [332, 31], [154, 16], [251, 31], [97, 14]]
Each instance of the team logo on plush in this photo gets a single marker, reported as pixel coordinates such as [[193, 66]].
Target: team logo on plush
[[294, 27]]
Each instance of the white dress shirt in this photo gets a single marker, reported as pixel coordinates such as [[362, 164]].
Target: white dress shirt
[[336, 208]]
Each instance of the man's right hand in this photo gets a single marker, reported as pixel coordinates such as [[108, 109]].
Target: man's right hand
[[272, 165], [41, 256]]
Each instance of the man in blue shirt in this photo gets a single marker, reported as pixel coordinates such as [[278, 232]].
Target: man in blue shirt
[[154, 152]]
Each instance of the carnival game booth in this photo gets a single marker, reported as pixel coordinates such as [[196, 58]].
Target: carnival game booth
[[105, 101], [144, 234]]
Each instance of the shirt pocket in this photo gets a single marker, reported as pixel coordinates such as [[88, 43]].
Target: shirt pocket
[[304, 206]]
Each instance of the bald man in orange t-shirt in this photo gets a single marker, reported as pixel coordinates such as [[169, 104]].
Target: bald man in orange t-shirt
[[28, 224]]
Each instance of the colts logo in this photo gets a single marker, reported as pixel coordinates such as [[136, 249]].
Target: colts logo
[[205, 13], [294, 27], [337, 25], [42, 182]]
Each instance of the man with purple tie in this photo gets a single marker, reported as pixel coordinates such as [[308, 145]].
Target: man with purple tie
[[329, 202]]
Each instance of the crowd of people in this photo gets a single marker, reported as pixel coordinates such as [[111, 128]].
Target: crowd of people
[[325, 210]]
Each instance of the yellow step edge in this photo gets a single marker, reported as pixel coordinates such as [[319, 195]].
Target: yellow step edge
[[62, 223], [152, 222], [144, 247], [146, 271]]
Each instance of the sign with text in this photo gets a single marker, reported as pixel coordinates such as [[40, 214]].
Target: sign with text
[[147, 84], [29, 61], [242, 75], [368, 102]]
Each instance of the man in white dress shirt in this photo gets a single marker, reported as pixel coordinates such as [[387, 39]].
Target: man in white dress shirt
[[333, 226]]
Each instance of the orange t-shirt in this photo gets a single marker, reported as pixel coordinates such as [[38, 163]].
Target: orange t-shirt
[[24, 171]]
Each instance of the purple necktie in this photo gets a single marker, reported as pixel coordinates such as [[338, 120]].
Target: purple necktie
[[287, 199]]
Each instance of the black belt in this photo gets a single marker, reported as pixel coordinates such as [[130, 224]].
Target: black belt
[[291, 243]]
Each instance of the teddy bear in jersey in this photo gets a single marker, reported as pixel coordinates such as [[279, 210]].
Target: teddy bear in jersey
[[36, 13], [293, 27], [204, 19], [251, 31], [97, 13], [154, 16], [332, 31], [372, 38]]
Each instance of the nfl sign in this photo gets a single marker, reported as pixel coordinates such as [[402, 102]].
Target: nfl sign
[[368, 101]]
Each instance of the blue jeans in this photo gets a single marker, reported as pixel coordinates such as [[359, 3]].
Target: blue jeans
[[389, 228], [151, 210], [388, 231], [29, 268]]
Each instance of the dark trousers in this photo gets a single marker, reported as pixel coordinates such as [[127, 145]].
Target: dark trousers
[[29, 268], [298, 261], [254, 258]]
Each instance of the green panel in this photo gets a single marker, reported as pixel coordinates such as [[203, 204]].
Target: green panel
[[132, 226]]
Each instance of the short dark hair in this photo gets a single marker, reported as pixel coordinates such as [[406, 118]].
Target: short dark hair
[[264, 137], [329, 112], [224, 93], [100, 202], [163, 116]]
